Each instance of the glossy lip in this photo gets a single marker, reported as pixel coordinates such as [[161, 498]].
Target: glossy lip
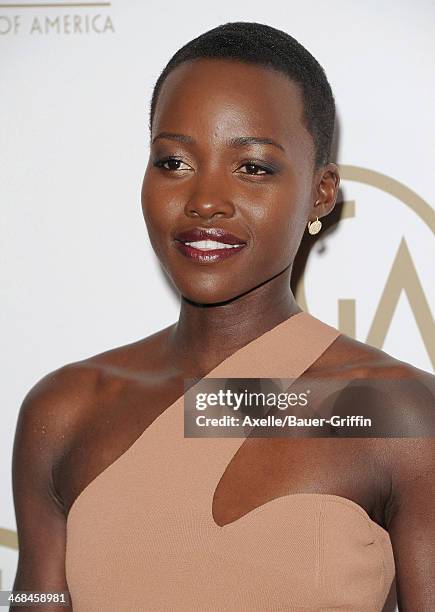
[[209, 256], [208, 233]]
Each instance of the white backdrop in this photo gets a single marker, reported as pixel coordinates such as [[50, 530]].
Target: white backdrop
[[79, 275]]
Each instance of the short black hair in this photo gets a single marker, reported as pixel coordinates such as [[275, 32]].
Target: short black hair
[[257, 43]]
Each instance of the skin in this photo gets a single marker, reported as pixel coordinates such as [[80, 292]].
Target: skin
[[64, 438]]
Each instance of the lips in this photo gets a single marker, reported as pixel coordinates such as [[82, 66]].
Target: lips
[[216, 234], [208, 245]]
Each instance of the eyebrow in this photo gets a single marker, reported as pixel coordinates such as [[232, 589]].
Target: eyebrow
[[238, 141], [242, 141], [172, 136]]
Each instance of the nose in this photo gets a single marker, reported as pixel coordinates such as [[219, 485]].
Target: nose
[[209, 201]]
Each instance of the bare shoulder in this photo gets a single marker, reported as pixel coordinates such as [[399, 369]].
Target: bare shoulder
[[49, 408], [400, 395], [55, 408], [399, 398], [347, 355]]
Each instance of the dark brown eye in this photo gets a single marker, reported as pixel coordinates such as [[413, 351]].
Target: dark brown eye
[[254, 169], [171, 164]]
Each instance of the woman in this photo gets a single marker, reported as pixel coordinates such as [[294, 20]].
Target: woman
[[112, 501]]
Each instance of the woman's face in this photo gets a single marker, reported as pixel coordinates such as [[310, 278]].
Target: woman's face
[[230, 151]]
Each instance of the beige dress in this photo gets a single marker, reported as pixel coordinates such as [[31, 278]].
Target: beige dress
[[134, 544]]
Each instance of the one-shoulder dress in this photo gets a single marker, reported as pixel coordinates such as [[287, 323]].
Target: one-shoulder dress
[[141, 535]]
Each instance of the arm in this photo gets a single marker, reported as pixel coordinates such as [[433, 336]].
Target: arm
[[410, 516], [42, 431]]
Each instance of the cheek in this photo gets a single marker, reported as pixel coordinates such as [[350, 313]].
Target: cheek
[[278, 224], [159, 213]]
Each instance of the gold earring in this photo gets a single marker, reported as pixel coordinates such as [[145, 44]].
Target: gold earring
[[314, 227]]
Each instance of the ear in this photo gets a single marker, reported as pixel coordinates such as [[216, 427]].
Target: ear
[[326, 192]]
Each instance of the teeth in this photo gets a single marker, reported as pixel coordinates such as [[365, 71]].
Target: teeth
[[210, 245]]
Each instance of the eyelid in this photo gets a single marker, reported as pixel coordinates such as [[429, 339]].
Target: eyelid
[[159, 161], [267, 167]]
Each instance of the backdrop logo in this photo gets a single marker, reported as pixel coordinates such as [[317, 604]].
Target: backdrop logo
[[400, 276], [8, 539], [56, 18]]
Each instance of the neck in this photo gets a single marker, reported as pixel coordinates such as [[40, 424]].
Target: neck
[[206, 334]]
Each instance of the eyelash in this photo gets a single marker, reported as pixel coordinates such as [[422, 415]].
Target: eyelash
[[159, 163]]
